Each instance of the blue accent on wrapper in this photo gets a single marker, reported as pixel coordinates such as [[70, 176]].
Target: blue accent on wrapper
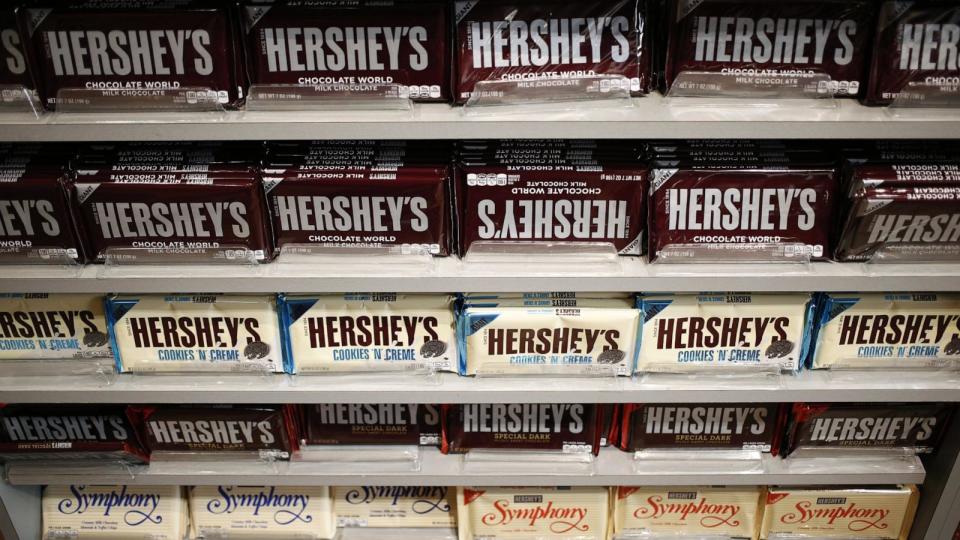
[[290, 310], [831, 307], [809, 329], [468, 324], [648, 310], [115, 309]]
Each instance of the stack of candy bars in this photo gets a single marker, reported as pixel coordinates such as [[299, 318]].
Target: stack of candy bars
[[490, 513], [138, 52]]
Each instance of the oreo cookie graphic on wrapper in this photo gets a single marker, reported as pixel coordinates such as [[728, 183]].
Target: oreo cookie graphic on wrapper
[[953, 346], [612, 356], [433, 349], [95, 339], [779, 349], [256, 350]]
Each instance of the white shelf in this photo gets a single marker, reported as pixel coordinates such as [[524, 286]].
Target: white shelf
[[613, 468], [450, 388], [650, 117], [453, 275]]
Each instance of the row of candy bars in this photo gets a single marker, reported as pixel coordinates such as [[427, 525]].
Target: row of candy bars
[[439, 50], [133, 433], [676, 201], [486, 334], [487, 513]]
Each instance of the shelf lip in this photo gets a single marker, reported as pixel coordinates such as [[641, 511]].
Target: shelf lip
[[450, 274], [652, 116], [613, 468], [812, 386]]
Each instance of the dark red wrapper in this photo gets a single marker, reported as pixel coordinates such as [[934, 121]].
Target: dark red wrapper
[[755, 426], [680, 213], [92, 49], [489, 32], [35, 224], [362, 207], [717, 36], [14, 61], [573, 203], [568, 427], [610, 424], [251, 428], [107, 215], [918, 426], [308, 45], [912, 45], [96, 433], [354, 423]]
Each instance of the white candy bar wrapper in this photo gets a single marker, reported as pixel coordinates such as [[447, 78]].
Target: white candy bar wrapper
[[727, 511], [114, 512], [395, 506], [533, 513], [52, 326], [255, 512]]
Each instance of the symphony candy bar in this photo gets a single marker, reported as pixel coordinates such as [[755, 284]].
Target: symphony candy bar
[[684, 510], [349, 46], [35, 222], [910, 329], [85, 512], [85, 432], [41, 325], [395, 506], [914, 50], [879, 512], [261, 512], [533, 513], [712, 331], [134, 54], [818, 47], [356, 331], [736, 213], [746, 426], [916, 426], [362, 423], [222, 219], [569, 428], [200, 332]]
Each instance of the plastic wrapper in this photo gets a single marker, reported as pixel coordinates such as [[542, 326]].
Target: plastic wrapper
[[747, 426], [52, 326], [261, 512], [533, 513], [201, 332], [36, 225], [362, 424], [114, 512], [405, 507], [901, 175], [685, 512], [568, 428], [14, 62]]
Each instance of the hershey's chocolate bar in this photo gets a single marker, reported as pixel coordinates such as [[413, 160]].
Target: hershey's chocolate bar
[[754, 426], [901, 175], [14, 61], [564, 427], [251, 428], [35, 223], [363, 423]]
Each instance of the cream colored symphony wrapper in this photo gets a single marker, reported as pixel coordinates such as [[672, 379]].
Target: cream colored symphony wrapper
[[840, 513], [905, 329], [203, 332], [519, 339], [722, 511], [533, 513], [692, 332], [52, 326], [359, 331], [114, 512], [255, 512], [395, 506]]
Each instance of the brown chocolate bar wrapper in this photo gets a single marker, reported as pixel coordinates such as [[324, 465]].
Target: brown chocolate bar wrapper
[[36, 224], [220, 428], [702, 426], [571, 427], [345, 423], [14, 61]]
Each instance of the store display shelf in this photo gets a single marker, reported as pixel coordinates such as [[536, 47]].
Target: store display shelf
[[454, 275], [650, 117], [611, 468], [852, 386]]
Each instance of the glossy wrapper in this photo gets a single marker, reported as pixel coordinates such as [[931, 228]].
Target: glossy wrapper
[[265, 430], [688, 510], [362, 423], [736, 426], [52, 326], [569, 428], [35, 224], [262, 512], [396, 506], [114, 512], [533, 513]]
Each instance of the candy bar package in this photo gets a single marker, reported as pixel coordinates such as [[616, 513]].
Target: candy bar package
[[907, 329], [35, 224], [347, 46], [52, 326], [712, 331], [776, 214], [524, 339], [569, 428], [267, 430], [364, 423], [610, 424], [816, 47], [901, 175], [533, 513], [553, 203], [361, 331], [735, 426], [261, 512], [14, 61], [914, 50], [136, 56], [343, 206], [917, 426], [687, 511], [402, 507], [219, 219], [877, 512], [902, 223], [78, 432], [200, 332], [84, 512]]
